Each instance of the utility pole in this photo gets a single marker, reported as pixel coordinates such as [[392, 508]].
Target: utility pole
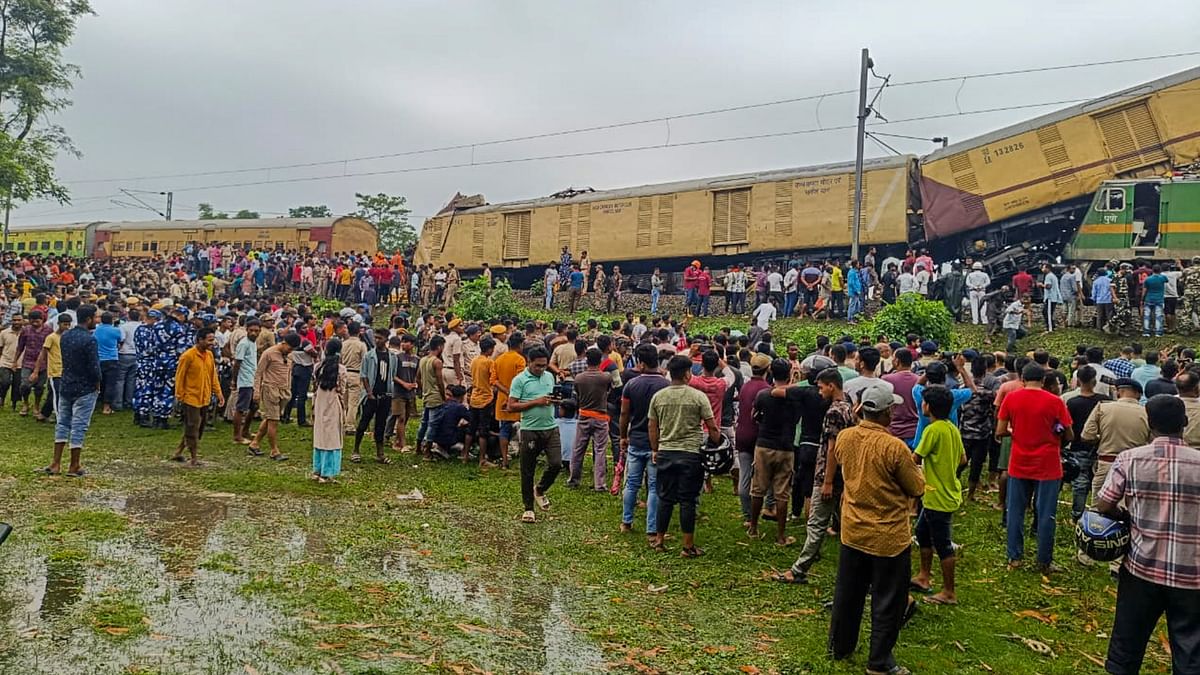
[[863, 111], [170, 200]]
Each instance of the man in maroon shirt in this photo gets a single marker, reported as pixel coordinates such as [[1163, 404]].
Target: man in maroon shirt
[[746, 432], [29, 346], [903, 379]]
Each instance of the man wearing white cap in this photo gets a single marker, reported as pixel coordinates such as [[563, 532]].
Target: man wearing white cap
[[977, 285], [881, 479]]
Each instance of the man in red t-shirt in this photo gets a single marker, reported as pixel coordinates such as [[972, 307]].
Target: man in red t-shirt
[[1039, 424], [1022, 281]]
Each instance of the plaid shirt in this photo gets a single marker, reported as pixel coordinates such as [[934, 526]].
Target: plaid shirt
[[1160, 484], [1120, 367], [577, 366]]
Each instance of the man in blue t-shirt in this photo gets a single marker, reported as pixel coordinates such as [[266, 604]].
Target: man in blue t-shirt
[[576, 282], [935, 375], [108, 339], [1153, 297]]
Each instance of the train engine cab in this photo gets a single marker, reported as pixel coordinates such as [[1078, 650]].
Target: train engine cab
[[1148, 219]]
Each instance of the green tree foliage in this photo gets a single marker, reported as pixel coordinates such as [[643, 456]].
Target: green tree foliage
[[476, 302], [34, 80], [321, 211], [206, 212], [913, 314], [390, 217]]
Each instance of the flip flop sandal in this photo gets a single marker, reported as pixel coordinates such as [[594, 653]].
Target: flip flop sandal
[[253, 451], [75, 474], [909, 612], [46, 471], [785, 579], [177, 458], [785, 543], [935, 600], [382, 460], [356, 458], [528, 517], [693, 552], [917, 588], [279, 458]]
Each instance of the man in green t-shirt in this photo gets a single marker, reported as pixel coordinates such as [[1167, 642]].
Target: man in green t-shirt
[[679, 416], [941, 453], [532, 394]]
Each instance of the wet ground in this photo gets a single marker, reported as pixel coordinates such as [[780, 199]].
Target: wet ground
[[170, 581]]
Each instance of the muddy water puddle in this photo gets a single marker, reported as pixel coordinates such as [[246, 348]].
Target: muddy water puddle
[[195, 619]]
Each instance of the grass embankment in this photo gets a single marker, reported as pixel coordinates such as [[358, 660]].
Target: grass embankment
[[246, 566]]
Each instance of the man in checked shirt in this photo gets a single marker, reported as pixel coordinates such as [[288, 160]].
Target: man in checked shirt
[[1160, 486]]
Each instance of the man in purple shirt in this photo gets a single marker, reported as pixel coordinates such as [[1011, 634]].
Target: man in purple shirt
[[29, 346], [903, 379]]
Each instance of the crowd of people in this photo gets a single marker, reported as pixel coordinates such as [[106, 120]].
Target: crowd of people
[[846, 438]]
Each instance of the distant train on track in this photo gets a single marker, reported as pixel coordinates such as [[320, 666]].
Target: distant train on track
[[145, 239], [1011, 198]]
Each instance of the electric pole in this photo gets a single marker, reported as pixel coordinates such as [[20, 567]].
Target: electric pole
[[863, 111], [170, 200]]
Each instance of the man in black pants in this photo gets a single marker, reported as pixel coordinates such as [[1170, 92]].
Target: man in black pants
[[1158, 483], [378, 375], [881, 479]]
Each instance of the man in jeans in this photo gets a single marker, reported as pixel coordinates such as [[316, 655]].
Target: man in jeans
[[78, 388], [108, 337], [635, 439], [1038, 422], [531, 394], [676, 416], [1158, 483]]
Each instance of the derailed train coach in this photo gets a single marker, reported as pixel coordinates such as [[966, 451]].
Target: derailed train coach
[[1012, 197]]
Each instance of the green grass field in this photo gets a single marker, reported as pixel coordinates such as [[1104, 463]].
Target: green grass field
[[244, 566]]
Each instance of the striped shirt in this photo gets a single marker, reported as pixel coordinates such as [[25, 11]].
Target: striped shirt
[[1160, 484]]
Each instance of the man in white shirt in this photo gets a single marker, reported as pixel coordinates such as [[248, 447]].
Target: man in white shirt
[[922, 278], [906, 283], [1171, 292], [765, 313], [977, 285], [775, 286], [791, 282]]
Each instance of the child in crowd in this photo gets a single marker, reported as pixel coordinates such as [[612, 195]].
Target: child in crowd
[[941, 453]]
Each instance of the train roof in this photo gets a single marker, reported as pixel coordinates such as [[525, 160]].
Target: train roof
[[712, 183], [54, 227], [220, 224], [1084, 108]]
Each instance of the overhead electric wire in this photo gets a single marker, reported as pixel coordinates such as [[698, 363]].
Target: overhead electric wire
[[617, 125], [607, 151]]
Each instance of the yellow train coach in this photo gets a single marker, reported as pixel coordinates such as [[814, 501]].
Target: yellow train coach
[[1030, 183], [722, 220], [146, 239]]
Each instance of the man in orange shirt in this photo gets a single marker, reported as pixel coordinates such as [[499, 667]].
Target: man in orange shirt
[[195, 385], [506, 367]]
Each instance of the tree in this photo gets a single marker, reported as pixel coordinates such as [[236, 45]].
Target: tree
[[207, 213], [33, 82], [390, 217], [246, 214], [321, 211]]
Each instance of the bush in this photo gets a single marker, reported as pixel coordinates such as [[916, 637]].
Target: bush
[[913, 314], [476, 302], [538, 288]]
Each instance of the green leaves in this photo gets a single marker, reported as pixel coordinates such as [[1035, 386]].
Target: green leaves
[[321, 211], [476, 302], [912, 313], [390, 216]]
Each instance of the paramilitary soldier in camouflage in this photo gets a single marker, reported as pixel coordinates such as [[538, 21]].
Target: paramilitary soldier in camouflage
[[1189, 297], [1122, 321]]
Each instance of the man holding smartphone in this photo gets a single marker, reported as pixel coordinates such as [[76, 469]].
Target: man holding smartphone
[[532, 394]]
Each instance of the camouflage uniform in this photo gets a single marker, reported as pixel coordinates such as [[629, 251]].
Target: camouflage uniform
[[1122, 321], [1189, 299]]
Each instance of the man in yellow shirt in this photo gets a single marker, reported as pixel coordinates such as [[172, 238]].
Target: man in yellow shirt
[[51, 360], [195, 385], [837, 287]]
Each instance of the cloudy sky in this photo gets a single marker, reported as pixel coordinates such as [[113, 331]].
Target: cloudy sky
[[193, 86]]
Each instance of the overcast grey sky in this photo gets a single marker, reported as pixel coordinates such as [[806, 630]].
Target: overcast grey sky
[[182, 86]]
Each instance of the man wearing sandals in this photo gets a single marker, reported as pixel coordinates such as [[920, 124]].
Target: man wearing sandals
[[679, 416], [532, 394], [881, 479], [195, 385], [272, 390], [78, 389]]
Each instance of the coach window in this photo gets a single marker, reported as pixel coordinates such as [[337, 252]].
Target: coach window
[[145, 246], [20, 246], [58, 245], [45, 246], [1113, 200]]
